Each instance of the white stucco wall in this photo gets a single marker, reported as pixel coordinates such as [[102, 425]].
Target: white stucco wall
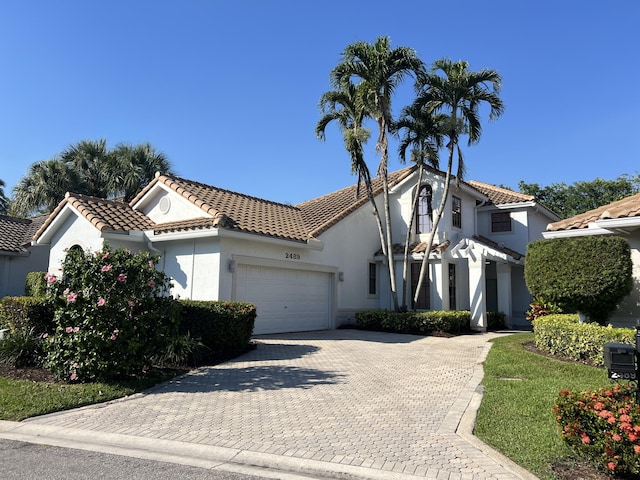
[[179, 207]]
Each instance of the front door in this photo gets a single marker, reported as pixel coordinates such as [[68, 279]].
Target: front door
[[423, 302]]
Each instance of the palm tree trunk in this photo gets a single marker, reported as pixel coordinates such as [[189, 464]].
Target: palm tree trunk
[[407, 241], [439, 212]]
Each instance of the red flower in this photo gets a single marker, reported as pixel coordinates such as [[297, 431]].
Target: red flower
[[636, 448], [585, 438], [611, 466], [616, 437]]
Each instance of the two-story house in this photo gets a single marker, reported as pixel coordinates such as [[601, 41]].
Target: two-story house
[[312, 266]]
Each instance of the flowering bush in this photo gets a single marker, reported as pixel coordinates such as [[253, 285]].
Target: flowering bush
[[603, 426], [111, 315]]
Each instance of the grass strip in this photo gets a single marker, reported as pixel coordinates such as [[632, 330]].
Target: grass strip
[[20, 399], [521, 387]]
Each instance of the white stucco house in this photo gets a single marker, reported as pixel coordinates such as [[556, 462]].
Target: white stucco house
[[621, 218], [312, 266], [17, 256]]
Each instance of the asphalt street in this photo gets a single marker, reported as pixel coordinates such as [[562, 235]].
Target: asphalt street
[[28, 461]]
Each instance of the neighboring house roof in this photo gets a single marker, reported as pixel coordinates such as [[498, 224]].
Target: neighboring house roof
[[500, 196], [628, 207], [16, 233]]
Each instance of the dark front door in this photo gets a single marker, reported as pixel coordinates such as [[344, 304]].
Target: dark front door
[[423, 302]]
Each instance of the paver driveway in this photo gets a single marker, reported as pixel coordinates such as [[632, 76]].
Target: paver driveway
[[347, 403]]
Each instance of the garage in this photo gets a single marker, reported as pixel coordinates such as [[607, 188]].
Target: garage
[[287, 300]]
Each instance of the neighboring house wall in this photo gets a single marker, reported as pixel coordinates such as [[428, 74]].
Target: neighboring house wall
[[14, 269]]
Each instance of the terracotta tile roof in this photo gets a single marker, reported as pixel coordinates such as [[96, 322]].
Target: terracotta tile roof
[[239, 211], [500, 196], [321, 213], [498, 247], [16, 233], [418, 247], [192, 224], [626, 208], [110, 215]]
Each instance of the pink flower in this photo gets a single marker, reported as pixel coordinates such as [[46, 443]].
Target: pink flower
[[151, 283], [50, 278], [75, 365], [101, 302], [616, 437], [106, 268], [151, 264], [131, 303], [68, 329], [113, 337], [73, 377], [106, 255], [636, 449], [66, 291], [76, 329], [45, 335], [122, 277], [611, 466], [71, 298], [585, 438]]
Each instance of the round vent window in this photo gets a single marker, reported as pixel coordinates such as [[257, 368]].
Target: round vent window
[[165, 204]]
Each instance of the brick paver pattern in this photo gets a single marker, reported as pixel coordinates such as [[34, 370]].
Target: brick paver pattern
[[367, 399]]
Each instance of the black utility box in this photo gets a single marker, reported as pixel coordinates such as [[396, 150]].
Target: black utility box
[[620, 360]]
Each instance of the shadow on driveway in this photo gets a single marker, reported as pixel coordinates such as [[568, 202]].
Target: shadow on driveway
[[250, 379]]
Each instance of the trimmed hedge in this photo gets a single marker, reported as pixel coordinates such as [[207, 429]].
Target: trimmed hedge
[[224, 328], [35, 284], [23, 314], [584, 274], [419, 323], [564, 335]]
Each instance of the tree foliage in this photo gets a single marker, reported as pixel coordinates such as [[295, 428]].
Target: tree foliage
[[89, 168], [582, 196], [4, 201], [587, 274]]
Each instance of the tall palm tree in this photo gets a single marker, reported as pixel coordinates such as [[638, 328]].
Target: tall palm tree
[[422, 130], [452, 89], [343, 106], [133, 167], [90, 159], [43, 187], [378, 70], [4, 201]]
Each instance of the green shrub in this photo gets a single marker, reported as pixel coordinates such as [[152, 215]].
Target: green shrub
[[565, 335], [35, 284], [603, 426], [584, 274], [111, 315], [21, 348], [419, 323], [495, 320], [24, 314], [224, 328]]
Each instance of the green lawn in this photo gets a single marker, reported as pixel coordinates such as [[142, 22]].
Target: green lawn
[[20, 399], [521, 387]]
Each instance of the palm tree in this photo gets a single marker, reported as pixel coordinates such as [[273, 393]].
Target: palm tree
[[90, 159], [4, 201], [423, 132], [43, 187], [378, 70], [133, 167], [343, 107], [452, 89]]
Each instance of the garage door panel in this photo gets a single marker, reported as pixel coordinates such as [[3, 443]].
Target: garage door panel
[[286, 300]]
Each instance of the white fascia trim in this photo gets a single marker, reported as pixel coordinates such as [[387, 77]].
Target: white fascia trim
[[465, 248], [312, 244], [149, 195], [619, 223], [508, 206], [133, 235], [577, 232]]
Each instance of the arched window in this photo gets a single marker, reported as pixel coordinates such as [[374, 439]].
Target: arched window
[[424, 212]]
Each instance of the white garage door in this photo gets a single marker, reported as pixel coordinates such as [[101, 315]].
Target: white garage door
[[286, 300]]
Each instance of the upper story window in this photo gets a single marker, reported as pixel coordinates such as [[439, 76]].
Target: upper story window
[[500, 222], [424, 212], [456, 211]]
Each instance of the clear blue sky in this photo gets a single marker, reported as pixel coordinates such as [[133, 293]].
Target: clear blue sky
[[228, 90]]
